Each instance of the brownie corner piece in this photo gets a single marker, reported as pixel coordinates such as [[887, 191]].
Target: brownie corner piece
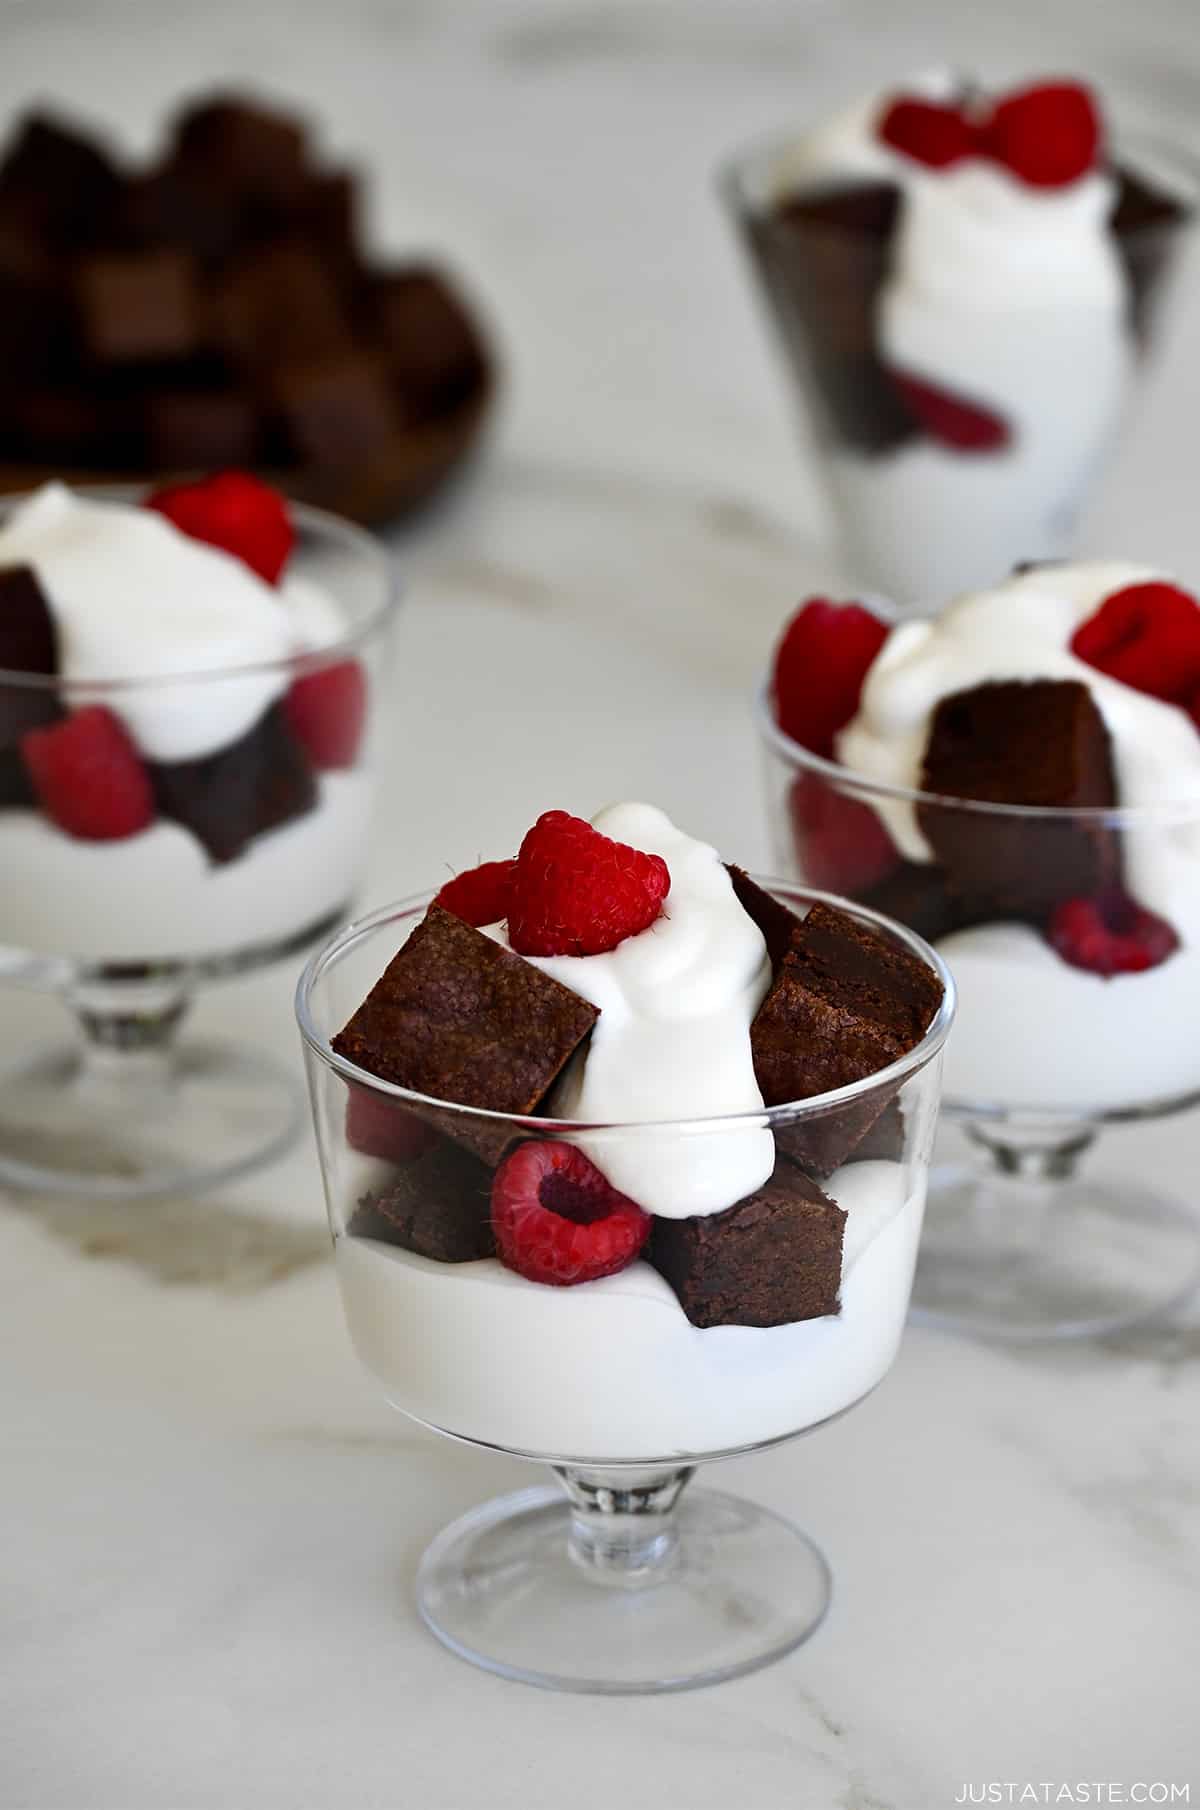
[[769, 1260], [437, 1206], [458, 1017], [1037, 742]]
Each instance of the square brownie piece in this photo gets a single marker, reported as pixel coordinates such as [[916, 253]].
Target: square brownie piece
[[28, 644], [457, 1017], [844, 1004], [1038, 742], [773, 1258], [137, 307], [438, 1205]]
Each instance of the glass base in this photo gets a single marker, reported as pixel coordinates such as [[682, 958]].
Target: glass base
[[507, 1587], [131, 1128], [1072, 1260]]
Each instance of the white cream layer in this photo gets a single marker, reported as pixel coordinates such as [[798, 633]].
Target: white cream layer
[[614, 1369], [133, 598], [156, 895], [673, 1038]]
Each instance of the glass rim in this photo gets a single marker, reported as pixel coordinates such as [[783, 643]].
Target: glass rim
[[356, 932], [1133, 137], [1117, 816], [363, 545]]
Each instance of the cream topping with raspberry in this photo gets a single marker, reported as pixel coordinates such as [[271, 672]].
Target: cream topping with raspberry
[[133, 598], [673, 1038]]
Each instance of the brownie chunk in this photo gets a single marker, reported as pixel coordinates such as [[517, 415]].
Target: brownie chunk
[[1041, 742], [28, 644], [430, 341], [200, 430], [279, 302], [138, 307], [774, 1257], [916, 893], [825, 258], [335, 411], [776, 922], [254, 158], [457, 1017], [844, 1004], [438, 1205], [64, 182], [257, 783]]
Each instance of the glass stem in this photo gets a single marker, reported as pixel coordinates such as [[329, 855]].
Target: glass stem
[[1027, 1161], [129, 1031], [623, 1529]]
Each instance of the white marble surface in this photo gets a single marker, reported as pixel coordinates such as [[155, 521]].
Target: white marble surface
[[209, 1522]]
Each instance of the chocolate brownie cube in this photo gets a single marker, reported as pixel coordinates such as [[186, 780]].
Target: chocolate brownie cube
[[200, 430], [457, 1017], [429, 340], [438, 1205], [278, 303], [256, 784], [773, 1258], [142, 305], [776, 922], [62, 179], [1037, 742], [845, 1004], [824, 258], [253, 157], [28, 644], [335, 411]]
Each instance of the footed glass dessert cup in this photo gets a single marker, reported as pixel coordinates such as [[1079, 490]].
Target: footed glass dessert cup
[[251, 853], [617, 1577], [962, 370], [1022, 1242]]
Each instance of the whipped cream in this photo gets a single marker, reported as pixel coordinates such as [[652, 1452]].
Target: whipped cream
[[1022, 629], [673, 1038], [613, 1369], [157, 897], [133, 598], [1005, 295]]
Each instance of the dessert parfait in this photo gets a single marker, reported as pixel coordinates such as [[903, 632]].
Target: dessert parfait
[[963, 284], [185, 692], [625, 1157], [1019, 780]]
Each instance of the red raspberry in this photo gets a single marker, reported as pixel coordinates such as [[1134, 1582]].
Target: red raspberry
[[821, 662], [929, 131], [377, 1126], [576, 892], [1048, 135], [326, 711], [481, 895], [951, 420], [841, 843], [557, 1220], [1148, 636], [235, 511], [1112, 935], [88, 777]]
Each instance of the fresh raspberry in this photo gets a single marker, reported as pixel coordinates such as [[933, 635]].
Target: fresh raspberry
[[576, 892], [1048, 135], [1148, 637], [557, 1219], [326, 711], [951, 420], [88, 777], [929, 131], [481, 895], [377, 1126], [821, 662], [235, 511], [1111, 935], [840, 842]]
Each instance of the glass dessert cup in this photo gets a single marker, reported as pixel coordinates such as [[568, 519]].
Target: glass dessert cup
[[253, 855], [618, 1578], [1018, 1243], [922, 514]]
